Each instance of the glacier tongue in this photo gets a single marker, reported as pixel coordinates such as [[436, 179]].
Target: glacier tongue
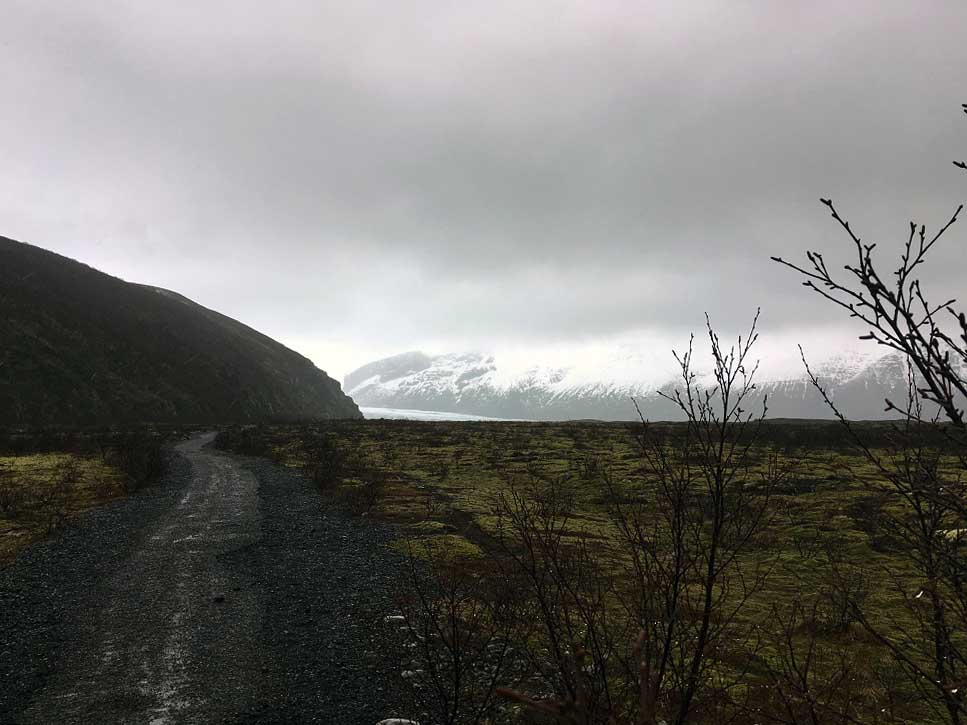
[[603, 383]]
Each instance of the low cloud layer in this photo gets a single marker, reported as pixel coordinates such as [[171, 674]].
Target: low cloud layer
[[362, 178]]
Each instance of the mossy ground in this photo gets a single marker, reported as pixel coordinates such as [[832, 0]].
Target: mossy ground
[[439, 482], [443, 478], [39, 491]]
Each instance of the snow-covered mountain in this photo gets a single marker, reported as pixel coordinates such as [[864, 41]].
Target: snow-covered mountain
[[602, 386]]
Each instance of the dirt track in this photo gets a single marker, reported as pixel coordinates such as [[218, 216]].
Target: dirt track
[[228, 593]]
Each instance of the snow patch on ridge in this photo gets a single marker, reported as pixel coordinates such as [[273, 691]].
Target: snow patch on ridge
[[630, 367]]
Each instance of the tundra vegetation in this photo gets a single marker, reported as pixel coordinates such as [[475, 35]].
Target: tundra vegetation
[[567, 562], [48, 476]]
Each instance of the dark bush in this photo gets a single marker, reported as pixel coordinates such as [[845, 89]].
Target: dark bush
[[326, 463], [251, 440], [139, 455], [11, 495]]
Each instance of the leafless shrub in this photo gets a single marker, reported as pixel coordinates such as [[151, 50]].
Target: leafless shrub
[[684, 533], [364, 493], [53, 500], [898, 315], [569, 595], [928, 636], [701, 510], [326, 462], [249, 440], [461, 627], [12, 496], [138, 454], [809, 679]]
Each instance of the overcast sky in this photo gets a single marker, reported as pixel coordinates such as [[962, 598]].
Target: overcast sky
[[361, 178]]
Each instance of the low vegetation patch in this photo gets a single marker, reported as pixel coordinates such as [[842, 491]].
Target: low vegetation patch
[[39, 492], [47, 477], [823, 546]]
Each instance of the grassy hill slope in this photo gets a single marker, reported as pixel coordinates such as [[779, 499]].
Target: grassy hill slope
[[78, 346]]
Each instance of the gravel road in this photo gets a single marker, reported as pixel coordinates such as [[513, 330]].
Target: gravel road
[[230, 592]]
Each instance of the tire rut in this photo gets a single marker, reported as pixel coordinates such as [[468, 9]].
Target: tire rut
[[230, 592]]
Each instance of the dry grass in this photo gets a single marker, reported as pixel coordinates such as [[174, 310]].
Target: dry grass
[[40, 492]]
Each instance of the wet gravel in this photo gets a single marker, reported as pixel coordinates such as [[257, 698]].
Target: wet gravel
[[329, 582], [229, 592]]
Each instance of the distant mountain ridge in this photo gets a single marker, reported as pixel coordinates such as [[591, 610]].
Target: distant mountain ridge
[[477, 384], [78, 346]]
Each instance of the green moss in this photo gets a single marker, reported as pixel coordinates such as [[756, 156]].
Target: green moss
[[444, 547], [442, 479], [38, 490], [423, 528]]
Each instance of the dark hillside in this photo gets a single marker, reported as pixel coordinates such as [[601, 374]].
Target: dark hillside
[[78, 346]]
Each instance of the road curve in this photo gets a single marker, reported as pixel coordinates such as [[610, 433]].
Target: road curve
[[227, 594]]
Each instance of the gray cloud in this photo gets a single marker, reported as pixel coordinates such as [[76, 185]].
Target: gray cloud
[[383, 175]]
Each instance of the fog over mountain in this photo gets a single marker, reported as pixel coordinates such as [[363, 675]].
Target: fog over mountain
[[493, 385], [357, 179]]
